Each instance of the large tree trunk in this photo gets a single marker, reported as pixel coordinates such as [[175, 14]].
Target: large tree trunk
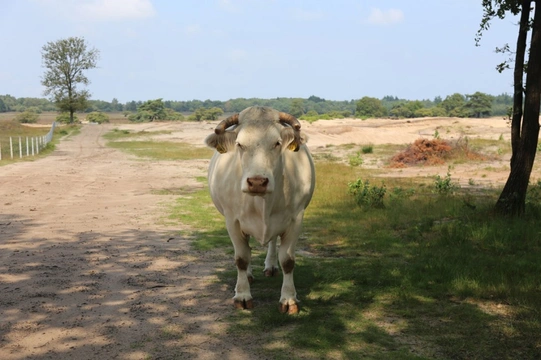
[[512, 200]]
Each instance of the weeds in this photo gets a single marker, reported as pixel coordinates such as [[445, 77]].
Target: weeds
[[445, 186], [366, 195]]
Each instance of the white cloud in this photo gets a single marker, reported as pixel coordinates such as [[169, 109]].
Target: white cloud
[[387, 17], [102, 10]]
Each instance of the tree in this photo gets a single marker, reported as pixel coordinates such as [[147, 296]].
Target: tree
[[454, 105], [65, 61], [297, 107], [479, 105], [154, 108], [370, 107], [526, 99]]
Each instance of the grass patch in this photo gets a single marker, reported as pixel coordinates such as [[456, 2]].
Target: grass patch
[[162, 150], [16, 130], [427, 276]]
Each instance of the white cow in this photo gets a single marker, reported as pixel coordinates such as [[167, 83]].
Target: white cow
[[261, 179]]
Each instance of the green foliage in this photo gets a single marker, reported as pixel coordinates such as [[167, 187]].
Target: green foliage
[[97, 117], [445, 186], [152, 110], [356, 159], [65, 118], [366, 195], [297, 107], [367, 149], [27, 117], [479, 105], [65, 61], [369, 107], [206, 114], [454, 105]]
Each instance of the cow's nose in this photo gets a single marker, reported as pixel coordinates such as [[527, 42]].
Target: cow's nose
[[257, 184]]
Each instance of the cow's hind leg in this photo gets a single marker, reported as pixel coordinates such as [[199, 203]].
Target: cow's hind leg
[[271, 260], [243, 297]]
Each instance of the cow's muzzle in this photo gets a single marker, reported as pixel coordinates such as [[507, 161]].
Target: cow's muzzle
[[257, 184]]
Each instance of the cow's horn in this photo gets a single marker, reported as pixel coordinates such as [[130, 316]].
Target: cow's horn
[[290, 120], [224, 124]]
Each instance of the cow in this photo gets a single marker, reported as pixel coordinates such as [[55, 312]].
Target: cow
[[261, 179]]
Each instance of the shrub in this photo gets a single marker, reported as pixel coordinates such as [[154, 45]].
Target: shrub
[[367, 149], [356, 160], [27, 117], [366, 195], [444, 186], [65, 118], [97, 117]]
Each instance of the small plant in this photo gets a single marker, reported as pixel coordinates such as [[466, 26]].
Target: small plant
[[367, 149], [444, 186], [356, 160], [500, 138], [436, 134], [471, 182], [27, 117], [399, 193], [367, 195]]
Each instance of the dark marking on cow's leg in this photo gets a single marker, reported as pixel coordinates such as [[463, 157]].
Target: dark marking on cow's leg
[[288, 266], [241, 264]]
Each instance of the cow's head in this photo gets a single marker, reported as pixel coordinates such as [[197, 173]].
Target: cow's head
[[257, 137]]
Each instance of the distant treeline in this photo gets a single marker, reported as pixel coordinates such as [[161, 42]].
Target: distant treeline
[[459, 105]]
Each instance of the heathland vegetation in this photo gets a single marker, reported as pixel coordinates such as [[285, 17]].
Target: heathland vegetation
[[312, 108]]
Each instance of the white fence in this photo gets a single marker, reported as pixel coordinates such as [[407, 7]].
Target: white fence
[[20, 146]]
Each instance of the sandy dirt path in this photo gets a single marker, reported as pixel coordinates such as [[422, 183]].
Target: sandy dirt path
[[85, 272]]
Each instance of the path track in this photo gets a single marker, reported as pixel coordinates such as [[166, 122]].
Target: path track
[[86, 272]]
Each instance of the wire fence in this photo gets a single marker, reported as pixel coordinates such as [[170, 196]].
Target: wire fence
[[21, 146]]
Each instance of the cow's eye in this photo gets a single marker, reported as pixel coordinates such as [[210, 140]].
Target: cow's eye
[[278, 144], [240, 146]]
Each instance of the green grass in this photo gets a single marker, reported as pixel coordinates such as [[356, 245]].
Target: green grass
[[428, 276], [127, 141], [15, 130]]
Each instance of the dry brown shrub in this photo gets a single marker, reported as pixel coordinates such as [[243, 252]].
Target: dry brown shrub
[[433, 152]]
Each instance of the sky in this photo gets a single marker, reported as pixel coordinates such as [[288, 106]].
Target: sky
[[224, 49]]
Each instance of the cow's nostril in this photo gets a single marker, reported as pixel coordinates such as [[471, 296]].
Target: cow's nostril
[[257, 184]]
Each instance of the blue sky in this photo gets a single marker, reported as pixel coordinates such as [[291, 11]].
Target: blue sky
[[223, 49]]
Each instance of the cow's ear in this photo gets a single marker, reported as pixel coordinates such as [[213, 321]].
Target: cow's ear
[[222, 143], [293, 138]]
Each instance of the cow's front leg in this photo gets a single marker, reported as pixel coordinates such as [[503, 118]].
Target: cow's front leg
[[243, 297], [271, 260], [288, 299]]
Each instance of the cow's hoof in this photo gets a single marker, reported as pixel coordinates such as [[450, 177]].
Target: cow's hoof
[[271, 272], [244, 304], [290, 309]]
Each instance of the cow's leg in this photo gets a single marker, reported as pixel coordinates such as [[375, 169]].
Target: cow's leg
[[243, 297], [286, 255], [271, 260]]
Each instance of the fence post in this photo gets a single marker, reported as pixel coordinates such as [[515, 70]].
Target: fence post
[[20, 148], [37, 145], [32, 139], [27, 147], [0, 151], [11, 147]]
